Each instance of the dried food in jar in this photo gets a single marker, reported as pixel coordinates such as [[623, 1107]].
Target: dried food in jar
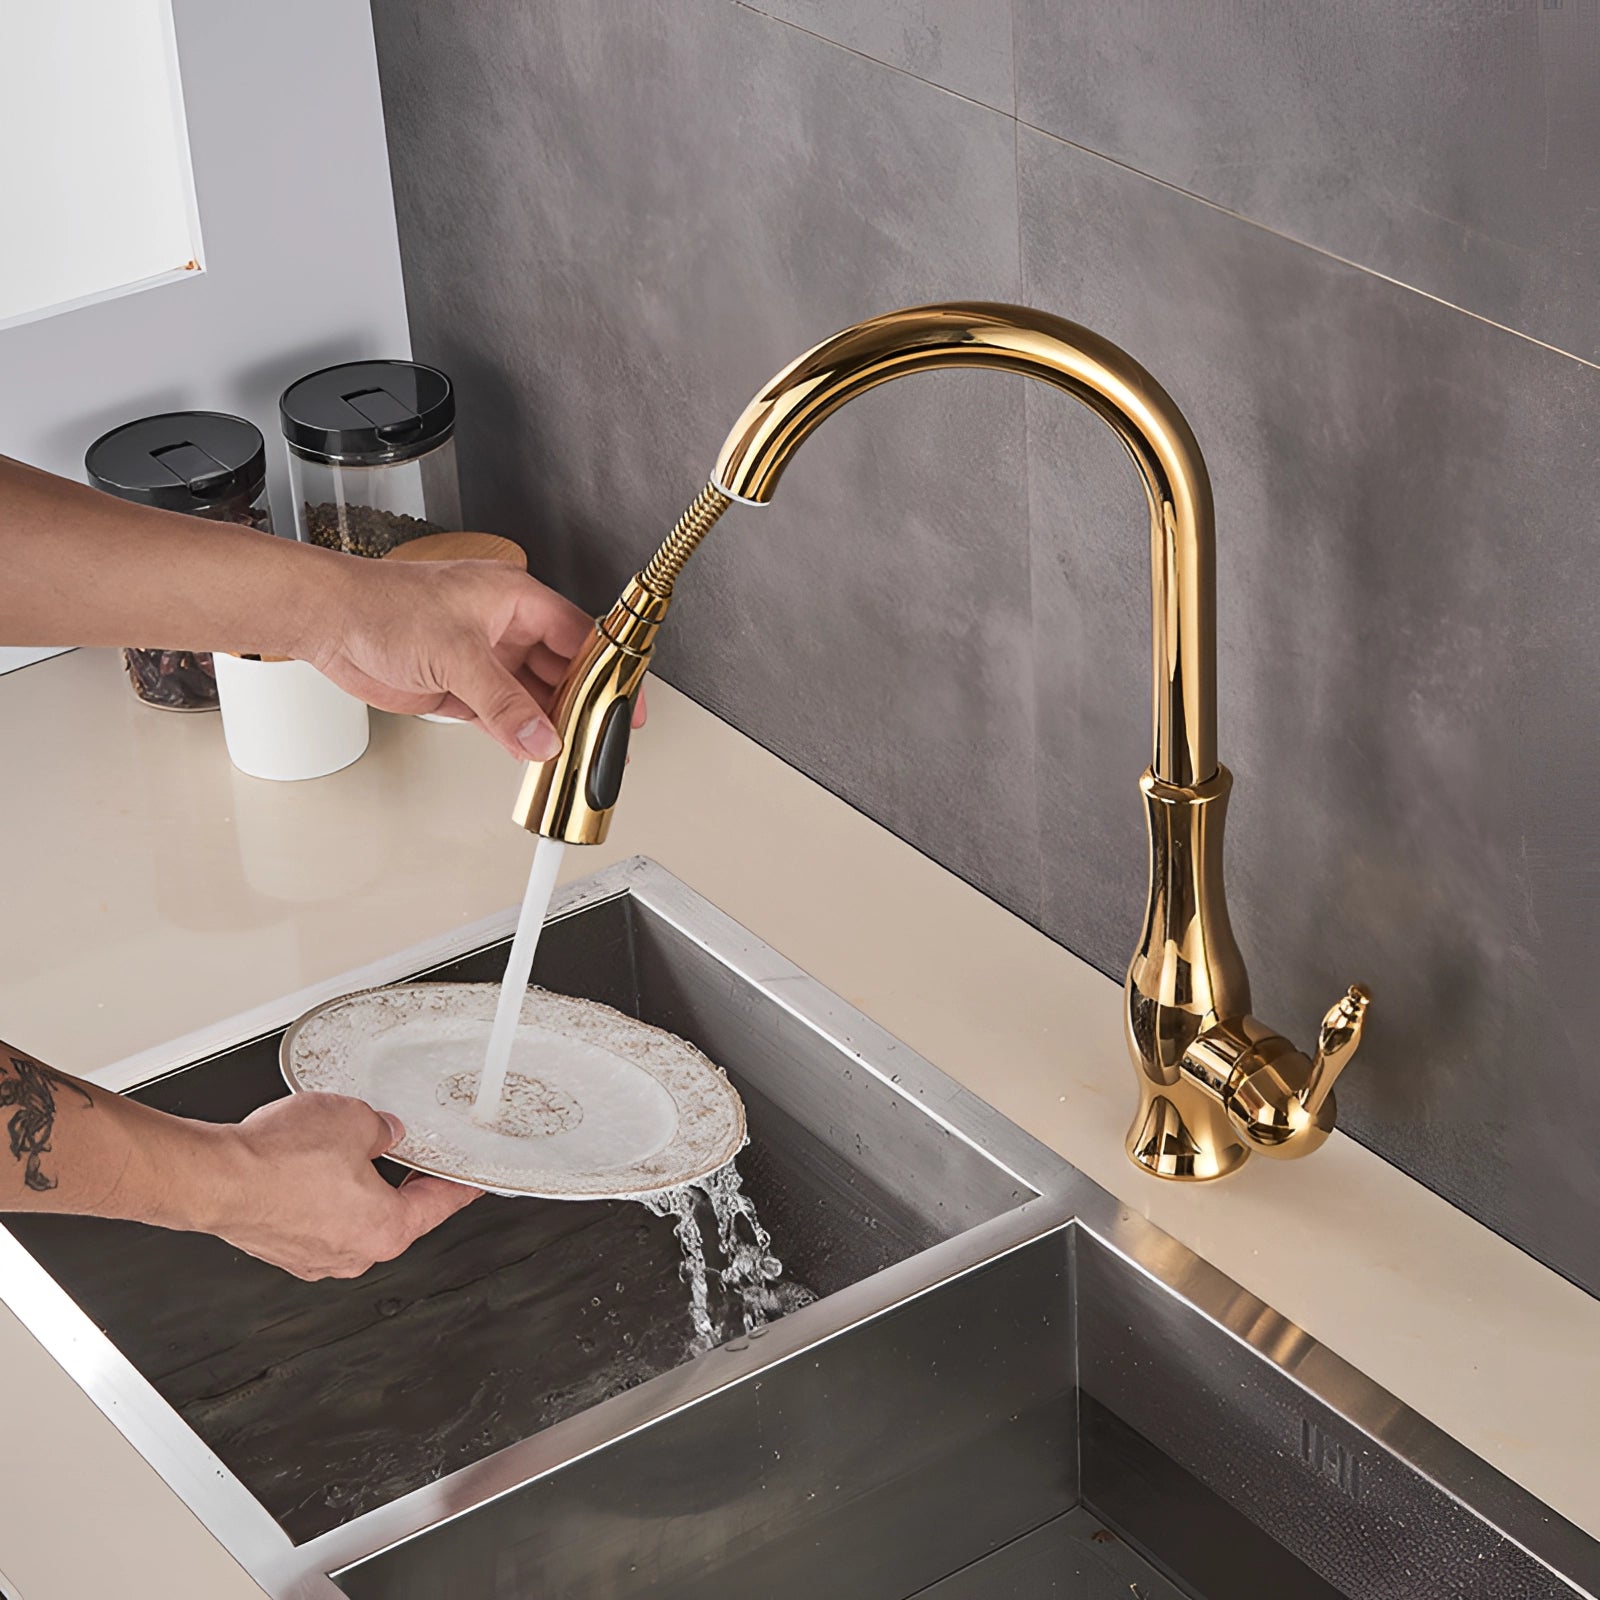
[[363, 530], [184, 680], [247, 516], [199, 464], [174, 680]]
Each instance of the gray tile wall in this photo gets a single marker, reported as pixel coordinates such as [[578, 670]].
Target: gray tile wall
[[1361, 246]]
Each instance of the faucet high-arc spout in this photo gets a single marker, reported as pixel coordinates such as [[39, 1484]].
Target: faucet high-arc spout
[[1091, 369], [1215, 1084]]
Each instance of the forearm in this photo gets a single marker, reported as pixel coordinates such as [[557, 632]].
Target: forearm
[[70, 1146], [293, 1184], [84, 568], [470, 639]]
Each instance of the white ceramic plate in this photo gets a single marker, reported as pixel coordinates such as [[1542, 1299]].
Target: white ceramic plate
[[598, 1105]]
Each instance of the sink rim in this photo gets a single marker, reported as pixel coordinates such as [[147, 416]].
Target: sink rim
[[1062, 1198]]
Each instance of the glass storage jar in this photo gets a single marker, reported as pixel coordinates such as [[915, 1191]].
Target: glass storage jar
[[204, 464], [372, 456]]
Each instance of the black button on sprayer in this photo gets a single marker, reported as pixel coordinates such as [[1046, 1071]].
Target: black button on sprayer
[[604, 782]]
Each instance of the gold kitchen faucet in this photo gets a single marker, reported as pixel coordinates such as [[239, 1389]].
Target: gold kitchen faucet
[[1214, 1083]]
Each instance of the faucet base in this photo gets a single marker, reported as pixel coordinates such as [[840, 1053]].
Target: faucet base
[[1189, 1143], [1186, 974]]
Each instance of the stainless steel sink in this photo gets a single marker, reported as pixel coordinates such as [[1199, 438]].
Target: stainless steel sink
[[1008, 1386]]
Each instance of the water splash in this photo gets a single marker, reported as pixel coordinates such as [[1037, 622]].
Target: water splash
[[750, 1273], [751, 1268], [679, 1204]]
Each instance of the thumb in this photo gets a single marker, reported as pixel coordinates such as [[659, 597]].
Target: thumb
[[428, 1201], [505, 708], [387, 1133]]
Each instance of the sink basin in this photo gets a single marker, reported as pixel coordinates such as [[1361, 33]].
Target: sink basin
[[1008, 1385]]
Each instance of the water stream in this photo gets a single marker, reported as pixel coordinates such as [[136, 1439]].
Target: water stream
[[547, 856]]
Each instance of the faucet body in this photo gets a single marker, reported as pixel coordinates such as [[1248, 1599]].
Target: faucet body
[[1214, 1083]]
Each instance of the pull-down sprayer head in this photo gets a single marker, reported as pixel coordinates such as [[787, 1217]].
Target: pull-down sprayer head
[[571, 796]]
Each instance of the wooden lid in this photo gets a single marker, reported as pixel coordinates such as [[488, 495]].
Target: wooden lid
[[460, 547]]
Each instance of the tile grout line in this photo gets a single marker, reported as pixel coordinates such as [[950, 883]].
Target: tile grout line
[[1303, 244], [877, 61], [1166, 183]]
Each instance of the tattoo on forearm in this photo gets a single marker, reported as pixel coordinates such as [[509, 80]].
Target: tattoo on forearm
[[31, 1088]]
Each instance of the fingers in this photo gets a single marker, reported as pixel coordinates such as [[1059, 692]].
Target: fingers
[[428, 1201], [512, 648], [302, 1193], [543, 696], [505, 707], [535, 686], [449, 706], [325, 1121], [547, 618], [547, 665]]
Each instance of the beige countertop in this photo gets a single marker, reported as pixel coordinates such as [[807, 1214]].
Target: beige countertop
[[150, 890]]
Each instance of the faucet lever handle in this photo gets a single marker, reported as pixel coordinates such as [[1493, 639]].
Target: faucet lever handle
[[1337, 1040]]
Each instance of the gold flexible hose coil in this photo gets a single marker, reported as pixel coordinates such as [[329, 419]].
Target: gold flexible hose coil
[[695, 523]]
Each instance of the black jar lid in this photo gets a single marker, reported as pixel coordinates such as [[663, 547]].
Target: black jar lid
[[189, 461], [368, 413]]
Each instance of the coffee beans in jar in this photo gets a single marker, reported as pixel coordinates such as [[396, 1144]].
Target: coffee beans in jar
[[362, 530], [372, 461]]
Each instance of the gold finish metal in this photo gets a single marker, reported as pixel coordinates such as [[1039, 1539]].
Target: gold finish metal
[[696, 522], [1214, 1083]]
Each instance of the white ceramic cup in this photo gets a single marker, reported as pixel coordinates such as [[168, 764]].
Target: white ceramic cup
[[283, 720]]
